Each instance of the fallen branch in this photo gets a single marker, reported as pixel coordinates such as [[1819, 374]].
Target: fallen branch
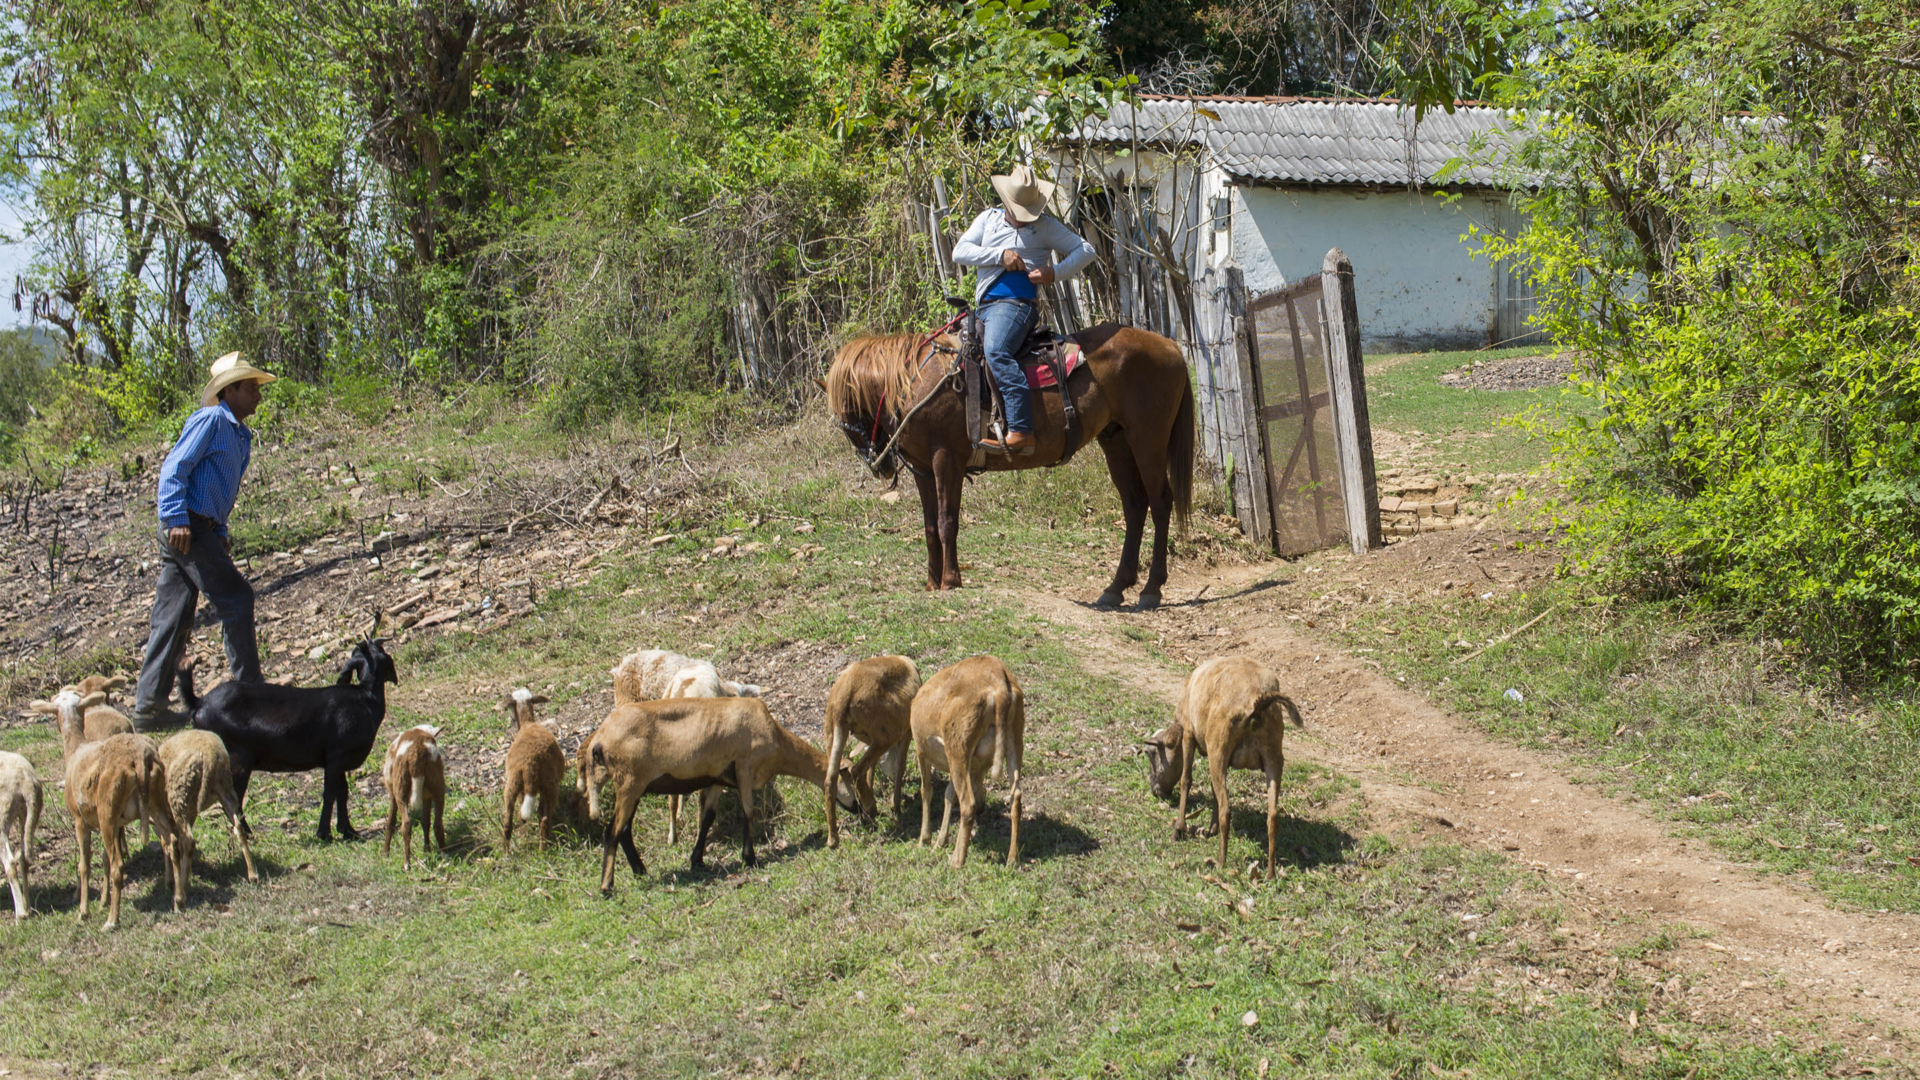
[[1502, 639]]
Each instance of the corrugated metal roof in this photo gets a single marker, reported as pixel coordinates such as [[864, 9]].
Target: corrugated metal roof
[[1310, 140]]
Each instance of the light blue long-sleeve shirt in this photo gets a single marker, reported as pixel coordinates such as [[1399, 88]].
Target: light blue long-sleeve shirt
[[989, 235], [202, 472]]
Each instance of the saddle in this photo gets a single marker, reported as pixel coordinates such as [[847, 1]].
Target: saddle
[[1046, 358]]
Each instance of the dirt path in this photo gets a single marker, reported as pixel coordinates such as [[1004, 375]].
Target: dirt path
[[1776, 949]]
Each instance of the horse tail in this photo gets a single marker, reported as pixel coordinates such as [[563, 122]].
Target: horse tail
[[1180, 456]]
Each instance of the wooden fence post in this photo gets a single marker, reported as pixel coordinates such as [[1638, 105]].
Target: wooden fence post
[[1351, 426]]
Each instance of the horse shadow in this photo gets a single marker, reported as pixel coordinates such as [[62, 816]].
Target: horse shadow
[[1196, 602]]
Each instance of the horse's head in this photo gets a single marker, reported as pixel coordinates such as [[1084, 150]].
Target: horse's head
[[866, 390]]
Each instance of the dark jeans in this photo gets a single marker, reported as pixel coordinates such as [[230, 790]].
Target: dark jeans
[[205, 568], [1003, 329]]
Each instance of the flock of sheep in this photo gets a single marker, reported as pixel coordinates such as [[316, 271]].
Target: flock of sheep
[[677, 728]]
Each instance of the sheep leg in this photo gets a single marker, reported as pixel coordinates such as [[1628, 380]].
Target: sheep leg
[[13, 876], [969, 800], [1185, 750], [709, 812], [946, 810], [897, 760], [506, 829], [116, 875], [926, 793], [1222, 805], [1013, 815], [620, 833], [84, 844], [836, 746], [548, 801], [1273, 815], [393, 821], [340, 789], [440, 822], [673, 820], [406, 829]]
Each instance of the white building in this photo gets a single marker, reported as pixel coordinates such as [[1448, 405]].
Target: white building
[[1270, 184]]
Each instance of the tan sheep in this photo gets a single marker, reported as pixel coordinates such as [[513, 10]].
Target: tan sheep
[[1233, 713], [535, 767], [20, 799], [683, 745], [658, 674], [200, 777], [872, 701], [98, 719], [108, 785], [416, 775], [966, 716]]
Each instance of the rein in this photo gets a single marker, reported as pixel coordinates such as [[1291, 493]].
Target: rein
[[898, 428]]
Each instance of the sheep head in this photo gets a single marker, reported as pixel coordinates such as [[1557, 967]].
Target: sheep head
[[519, 708], [1163, 761]]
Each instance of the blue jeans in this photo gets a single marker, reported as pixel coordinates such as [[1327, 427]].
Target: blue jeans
[[1003, 329]]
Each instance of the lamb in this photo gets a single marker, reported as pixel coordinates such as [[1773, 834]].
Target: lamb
[[200, 777], [108, 785], [657, 674], [680, 746], [535, 767], [970, 713], [274, 728], [19, 811], [416, 775], [1233, 713], [872, 701]]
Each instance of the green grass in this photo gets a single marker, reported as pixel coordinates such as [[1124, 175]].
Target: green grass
[[1109, 949], [1464, 428]]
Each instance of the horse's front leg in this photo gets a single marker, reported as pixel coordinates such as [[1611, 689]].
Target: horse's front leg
[[949, 477], [930, 512]]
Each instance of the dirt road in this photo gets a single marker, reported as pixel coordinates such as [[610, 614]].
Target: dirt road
[[1766, 947]]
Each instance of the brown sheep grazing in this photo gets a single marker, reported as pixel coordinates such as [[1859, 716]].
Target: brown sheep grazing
[[200, 777], [1232, 713], [872, 701], [416, 776], [535, 767], [683, 745], [966, 716]]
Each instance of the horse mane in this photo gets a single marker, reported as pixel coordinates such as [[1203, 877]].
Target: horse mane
[[871, 372]]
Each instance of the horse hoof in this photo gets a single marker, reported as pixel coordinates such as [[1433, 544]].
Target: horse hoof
[[1109, 600], [1149, 601]]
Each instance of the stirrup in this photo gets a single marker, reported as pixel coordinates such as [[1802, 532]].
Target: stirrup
[[999, 446]]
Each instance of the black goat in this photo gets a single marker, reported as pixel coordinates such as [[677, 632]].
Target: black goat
[[273, 728]]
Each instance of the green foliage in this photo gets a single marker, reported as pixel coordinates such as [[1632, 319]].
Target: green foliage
[[1723, 225]]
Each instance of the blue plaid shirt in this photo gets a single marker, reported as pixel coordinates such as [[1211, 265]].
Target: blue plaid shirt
[[202, 473]]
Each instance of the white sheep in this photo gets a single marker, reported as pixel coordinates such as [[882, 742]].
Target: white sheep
[[19, 810]]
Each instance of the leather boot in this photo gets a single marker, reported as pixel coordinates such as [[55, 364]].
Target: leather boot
[[1017, 444]]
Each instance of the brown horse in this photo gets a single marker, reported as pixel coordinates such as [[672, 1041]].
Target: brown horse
[[1132, 394]]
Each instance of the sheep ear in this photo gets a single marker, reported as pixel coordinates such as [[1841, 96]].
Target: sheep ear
[[45, 707], [118, 682], [95, 698], [1162, 738], [537, 699]]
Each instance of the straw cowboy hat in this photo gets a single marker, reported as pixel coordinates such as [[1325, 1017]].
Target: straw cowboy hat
[[1024, 194], [228, 370]]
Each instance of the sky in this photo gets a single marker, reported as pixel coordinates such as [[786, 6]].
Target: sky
[[13, 261]]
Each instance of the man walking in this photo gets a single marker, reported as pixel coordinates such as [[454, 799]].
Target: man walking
[[1012, 245], [198, 484]]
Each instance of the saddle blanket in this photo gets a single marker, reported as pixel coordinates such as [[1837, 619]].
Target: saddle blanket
[[1040, 375]]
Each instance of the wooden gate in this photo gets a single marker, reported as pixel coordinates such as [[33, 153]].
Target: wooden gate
[[1282, 390]]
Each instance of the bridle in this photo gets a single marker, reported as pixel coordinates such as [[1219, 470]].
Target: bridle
[[864, 440]]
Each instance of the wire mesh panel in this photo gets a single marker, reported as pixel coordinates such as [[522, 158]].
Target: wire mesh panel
[[1297, 419]]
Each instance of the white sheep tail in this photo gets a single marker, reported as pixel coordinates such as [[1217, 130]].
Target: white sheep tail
[[1002, 706], [416, 795], [527, 806]]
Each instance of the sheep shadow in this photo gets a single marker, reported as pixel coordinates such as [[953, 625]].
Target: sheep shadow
[[149, 886], [1043, 837]]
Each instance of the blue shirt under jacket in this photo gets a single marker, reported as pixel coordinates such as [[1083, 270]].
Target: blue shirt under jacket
[[202, 472]]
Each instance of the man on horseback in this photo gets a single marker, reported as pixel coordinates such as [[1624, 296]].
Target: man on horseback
[[1012, 245]]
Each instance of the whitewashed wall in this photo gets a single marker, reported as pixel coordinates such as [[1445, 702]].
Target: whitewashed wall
[[1418, 285]]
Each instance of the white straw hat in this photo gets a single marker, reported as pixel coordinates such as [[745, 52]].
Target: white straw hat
[[228, 370], [1023, 194]]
